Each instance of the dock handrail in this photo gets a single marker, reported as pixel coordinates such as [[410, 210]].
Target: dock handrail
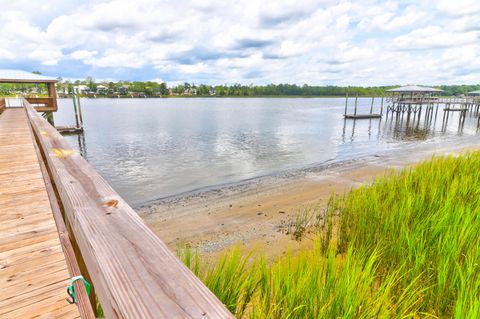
[[133, 272], [42, 104]]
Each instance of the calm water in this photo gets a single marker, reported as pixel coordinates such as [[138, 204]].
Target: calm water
[[153, 148]]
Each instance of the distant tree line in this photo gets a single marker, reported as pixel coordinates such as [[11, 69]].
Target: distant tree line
[[151, 89], [237, 90]]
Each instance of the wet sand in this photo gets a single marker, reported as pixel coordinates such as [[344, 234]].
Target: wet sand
[[253, 213]]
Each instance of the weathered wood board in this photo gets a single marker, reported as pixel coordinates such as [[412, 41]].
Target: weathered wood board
[[33, 271]]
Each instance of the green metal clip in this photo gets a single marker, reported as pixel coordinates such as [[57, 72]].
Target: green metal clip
[[71, 289]]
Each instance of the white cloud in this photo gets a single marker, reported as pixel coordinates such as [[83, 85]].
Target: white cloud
[[458, 7], [362, 42], [432, 37], [83, 54], [392, 19]]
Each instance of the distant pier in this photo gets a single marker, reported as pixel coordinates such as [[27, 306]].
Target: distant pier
[[415, 102], [360, 116]]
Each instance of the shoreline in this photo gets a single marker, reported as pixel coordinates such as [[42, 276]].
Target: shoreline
[[254, 213], [225, 97], [287, 174]]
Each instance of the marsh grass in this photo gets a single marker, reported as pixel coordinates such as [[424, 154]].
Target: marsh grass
[[408, 246], [298, 225]]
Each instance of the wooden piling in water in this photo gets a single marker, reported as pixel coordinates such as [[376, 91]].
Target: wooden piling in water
[[356, 100], [381, 106], [75, 111], [80, 117], [346, 104]]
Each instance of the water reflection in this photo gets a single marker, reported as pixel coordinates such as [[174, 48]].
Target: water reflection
[[152, 148]]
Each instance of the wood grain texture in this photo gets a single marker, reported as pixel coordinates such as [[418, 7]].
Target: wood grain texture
[[85, 307], [33, 272], [134, 273]]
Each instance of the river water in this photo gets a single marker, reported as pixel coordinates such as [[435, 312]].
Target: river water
[[149, 149]]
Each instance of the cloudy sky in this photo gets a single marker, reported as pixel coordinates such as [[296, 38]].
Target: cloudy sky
[[365, 42]]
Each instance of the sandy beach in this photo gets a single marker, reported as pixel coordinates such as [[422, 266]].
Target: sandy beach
[[255, 212]]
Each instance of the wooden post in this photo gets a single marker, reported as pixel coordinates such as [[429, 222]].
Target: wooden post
[[75, 110], [2, 105], [52, 94], [346, 104], [356, 99], [381, 106], [79, 110], [371, 106], [49, 117]]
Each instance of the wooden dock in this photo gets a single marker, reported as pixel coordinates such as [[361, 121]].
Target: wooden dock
[[60, 219], [33, 270], [362, 116], [69, 129]]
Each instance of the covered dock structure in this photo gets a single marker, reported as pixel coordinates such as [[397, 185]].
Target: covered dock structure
[[410, 100], [40, 92], [413, 99], [36, 89], [42, 102]]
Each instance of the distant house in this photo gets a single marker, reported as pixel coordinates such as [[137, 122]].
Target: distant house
[[137, 94], [102, 89], [190, 91], [123, 89], [81, 89], [212, 91]]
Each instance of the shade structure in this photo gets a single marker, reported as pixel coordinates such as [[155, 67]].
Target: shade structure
[[415, 88], [19, 76], [41, 103]]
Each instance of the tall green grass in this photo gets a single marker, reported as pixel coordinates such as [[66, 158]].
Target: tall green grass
[[405, 247]]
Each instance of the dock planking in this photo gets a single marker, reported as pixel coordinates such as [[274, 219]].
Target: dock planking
[[33, 270]]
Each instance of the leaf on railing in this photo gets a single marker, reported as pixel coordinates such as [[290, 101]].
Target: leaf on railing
[[43, 133], [61, 153]]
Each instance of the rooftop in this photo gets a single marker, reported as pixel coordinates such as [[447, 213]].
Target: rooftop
[[15, 76], [414, 88], [474, 92]]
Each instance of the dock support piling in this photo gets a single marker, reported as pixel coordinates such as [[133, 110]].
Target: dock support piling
[[371, 106], [80, 117], [49, 117], [381, 107], [76, 111], [346, 104], [356, 100]]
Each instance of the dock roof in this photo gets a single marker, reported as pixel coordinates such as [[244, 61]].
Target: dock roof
[[19, 76], [474, 92], [414, 88]]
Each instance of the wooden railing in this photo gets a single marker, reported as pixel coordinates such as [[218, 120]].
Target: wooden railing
[[133, 272], [43, 104], [2, 105]]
